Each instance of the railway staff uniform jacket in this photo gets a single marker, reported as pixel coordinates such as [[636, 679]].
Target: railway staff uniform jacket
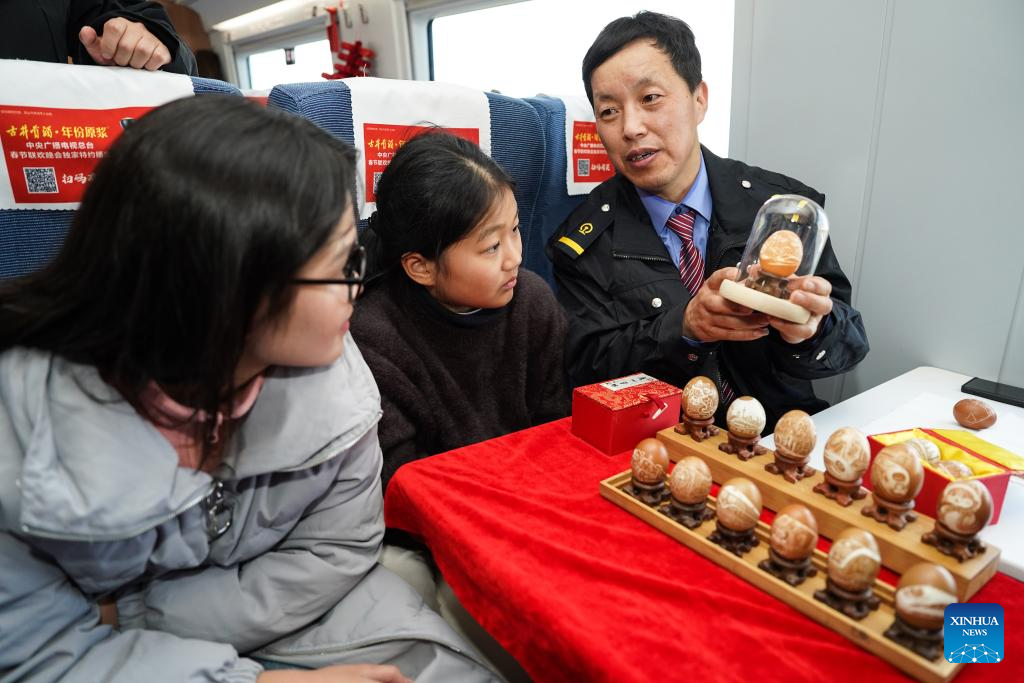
[[626, 302], [274, 557]]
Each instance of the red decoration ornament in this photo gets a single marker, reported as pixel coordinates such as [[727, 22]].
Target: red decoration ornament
[[350, 59]]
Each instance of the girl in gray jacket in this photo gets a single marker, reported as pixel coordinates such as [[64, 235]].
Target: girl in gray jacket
[[189, 464]]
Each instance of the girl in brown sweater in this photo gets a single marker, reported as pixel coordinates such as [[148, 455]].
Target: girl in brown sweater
[[464, 344]]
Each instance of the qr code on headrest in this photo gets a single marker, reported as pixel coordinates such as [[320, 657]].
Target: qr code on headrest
[[376, 179], [583, 167], [41, 180]]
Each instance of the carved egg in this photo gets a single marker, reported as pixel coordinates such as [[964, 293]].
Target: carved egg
[[690, 481], [965, 507], [649, 462], [701, 398], [739, 504], [794, 532], [854, 560], [847, 454], [794, 434], [745, 417], [924, 449], [897, 474], [974, 414], [781, 253], [922, 595], [954, 469]]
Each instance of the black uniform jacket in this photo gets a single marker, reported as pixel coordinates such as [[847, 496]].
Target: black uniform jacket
[[47, 30], [626, 302]]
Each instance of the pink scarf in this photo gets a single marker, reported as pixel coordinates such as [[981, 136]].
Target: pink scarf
[[183, 418]]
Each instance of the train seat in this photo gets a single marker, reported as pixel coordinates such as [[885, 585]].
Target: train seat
[[554, 203], [516, 135], [34, 220]]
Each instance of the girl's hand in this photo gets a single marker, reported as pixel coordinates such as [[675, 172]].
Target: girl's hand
[[341, 673]]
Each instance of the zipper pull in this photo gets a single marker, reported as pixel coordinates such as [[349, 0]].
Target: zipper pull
[[218, 513]]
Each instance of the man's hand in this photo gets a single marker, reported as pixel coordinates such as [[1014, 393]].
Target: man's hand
[[125, 43], [810, 292], [710, 317]]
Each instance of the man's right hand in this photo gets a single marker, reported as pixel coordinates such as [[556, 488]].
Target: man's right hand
[[710, 317]]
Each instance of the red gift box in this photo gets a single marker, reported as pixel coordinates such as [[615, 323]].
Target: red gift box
[[613, 416], [991, 464]]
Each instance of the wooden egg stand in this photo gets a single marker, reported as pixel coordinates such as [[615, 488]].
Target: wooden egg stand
[[867, 632], [900, 550]]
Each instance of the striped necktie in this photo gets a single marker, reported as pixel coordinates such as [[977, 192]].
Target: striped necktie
[[691, 265], [691, 271]]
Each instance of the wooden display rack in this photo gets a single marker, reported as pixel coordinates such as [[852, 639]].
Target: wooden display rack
[[868, 632], [900, 550]]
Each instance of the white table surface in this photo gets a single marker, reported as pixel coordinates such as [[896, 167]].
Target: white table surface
[[924, 397]]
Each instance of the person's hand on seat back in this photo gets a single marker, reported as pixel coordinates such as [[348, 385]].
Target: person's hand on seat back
[[125, 43]]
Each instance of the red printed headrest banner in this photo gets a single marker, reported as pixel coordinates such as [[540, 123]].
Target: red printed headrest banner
[[382, 141], [57, 121], [388, 112], [587, 163], [259, 96]]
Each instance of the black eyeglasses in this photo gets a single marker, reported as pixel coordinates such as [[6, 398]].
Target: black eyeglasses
[[354, 271]]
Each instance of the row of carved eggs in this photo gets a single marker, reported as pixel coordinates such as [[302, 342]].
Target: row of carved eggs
[[854, 560], [897, 475], [745, 418], [964, 506], [846, 454]]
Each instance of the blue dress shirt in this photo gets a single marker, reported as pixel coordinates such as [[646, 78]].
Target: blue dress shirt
[[698, 199]]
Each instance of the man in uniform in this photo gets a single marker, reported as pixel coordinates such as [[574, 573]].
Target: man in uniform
[[640, 262]]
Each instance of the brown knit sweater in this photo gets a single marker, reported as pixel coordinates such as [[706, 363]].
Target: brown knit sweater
[[448, 380]]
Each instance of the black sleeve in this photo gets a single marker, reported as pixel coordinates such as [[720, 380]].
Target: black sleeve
[[608, 336], [96, 13]]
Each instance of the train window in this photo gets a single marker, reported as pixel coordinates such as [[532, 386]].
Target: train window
[[307, 63], [537, 46]]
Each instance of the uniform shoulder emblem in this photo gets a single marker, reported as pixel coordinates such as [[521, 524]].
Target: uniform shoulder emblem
[[581, 230]]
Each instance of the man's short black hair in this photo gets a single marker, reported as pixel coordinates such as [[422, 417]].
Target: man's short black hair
[[672, 36]]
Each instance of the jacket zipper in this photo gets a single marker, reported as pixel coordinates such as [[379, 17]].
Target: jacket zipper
[[721, 254], [641, 257]]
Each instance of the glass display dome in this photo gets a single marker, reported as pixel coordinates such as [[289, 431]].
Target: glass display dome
[[786, 242]]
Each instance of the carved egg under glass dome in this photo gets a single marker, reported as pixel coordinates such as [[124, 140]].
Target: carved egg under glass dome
[[786, 242]]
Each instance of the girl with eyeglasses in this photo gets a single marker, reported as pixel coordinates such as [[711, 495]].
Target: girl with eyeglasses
[[189, 462]]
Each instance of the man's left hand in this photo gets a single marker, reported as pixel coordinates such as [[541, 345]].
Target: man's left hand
[[125, 43], [812, 293]]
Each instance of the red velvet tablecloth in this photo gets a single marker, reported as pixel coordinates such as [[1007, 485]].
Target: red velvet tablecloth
[[578, 589]]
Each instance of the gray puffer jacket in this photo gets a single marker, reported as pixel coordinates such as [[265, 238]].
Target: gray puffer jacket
[[275, 556]]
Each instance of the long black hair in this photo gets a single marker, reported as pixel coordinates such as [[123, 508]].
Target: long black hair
[[672, 36], [436, 189], [199, 215]]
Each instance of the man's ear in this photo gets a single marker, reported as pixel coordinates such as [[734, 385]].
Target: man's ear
[[420, 269], [700, 101]]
